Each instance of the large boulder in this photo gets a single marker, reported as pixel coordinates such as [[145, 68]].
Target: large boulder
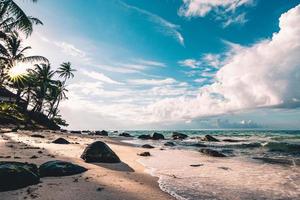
[[158, 136], [15, 175], [144, 137], [61, 141], [99, 152], [212, 153], [60, 168], [179, 136], [103, 133], [210, 138]]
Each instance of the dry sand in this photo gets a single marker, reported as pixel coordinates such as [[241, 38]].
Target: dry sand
[[127, 180]]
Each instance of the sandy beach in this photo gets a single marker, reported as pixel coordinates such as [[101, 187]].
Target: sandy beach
[[127, 180]]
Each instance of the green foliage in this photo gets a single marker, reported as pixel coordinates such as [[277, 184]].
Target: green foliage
[[41, 89]]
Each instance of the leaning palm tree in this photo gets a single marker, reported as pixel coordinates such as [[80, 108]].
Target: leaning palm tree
[[44, 79], [65, 71], [56, 95], [12, 17], [12, 53]]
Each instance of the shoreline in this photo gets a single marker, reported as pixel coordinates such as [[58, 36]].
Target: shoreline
[[127, 180]]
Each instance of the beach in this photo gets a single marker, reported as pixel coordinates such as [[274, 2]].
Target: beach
[[175, 168], [126, 180]]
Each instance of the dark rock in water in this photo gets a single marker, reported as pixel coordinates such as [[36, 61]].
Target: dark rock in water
[[14, 130], [232, 140], [75, 132], [60, 168], [61, 141], [198, 145], [170, 144], [144, 154], [125, 135], [179, 136], [15, 175], [212, 153], [210, 138], [99, 152], [147, 146], [144, 137], [279, 161], [103, 133], [37, 136], [63, 130], [158, 136], [283, 147]]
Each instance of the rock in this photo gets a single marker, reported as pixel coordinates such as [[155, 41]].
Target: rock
[[279, 161], [37, 136], [103, 133], [144, 154], [212, 153], [15, 175], [170, 144], [198, 145], [210, 138], [196, 165], [125, 135], [61, 141], [147, 146], [232, 140], [99, 152], [14, 130], [179, 136], [60, 168], [75, 132], [144, 137], [158, 136]]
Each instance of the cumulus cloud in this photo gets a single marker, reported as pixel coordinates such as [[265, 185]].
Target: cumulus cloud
[[266, 74], [225, 10]]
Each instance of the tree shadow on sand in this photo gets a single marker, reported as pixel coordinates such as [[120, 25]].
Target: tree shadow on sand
[[122, 167]]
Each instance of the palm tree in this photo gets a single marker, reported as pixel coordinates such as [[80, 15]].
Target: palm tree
[[43, 76], [65, 71], [57, 94], [12, 52], [13, 17]]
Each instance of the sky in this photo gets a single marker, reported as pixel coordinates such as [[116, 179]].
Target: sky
[[174, 64]]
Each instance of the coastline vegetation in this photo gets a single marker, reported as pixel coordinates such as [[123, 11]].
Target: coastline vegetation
[[29, 87]]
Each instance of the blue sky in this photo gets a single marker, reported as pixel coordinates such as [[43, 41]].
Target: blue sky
[[165, 64]]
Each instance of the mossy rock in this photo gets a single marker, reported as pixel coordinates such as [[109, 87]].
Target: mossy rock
[[60, 168]]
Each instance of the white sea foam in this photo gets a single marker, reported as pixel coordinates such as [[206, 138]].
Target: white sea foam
[[220, 178]]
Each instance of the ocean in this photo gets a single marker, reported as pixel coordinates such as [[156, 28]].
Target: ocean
[[260, 164]]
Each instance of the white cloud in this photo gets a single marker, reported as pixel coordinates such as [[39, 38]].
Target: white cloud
[[150, 63], [225, 10], [266, 74], [168, 27], [70, 49], [191, 63], [152, 81], [100, 77]]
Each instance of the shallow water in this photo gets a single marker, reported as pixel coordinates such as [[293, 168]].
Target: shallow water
[[239, 176]]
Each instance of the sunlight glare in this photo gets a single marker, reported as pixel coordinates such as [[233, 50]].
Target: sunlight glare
[[18, 70]]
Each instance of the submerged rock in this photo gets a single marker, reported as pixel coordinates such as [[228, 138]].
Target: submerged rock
[[170, 144], [144, 154], [232, 140], [158, 136], [125, 135], [103, 133], [60, 168], [15, 175], [75, 132], [147, 146], [61, 141], [210, 138], [99, 152], [212, 153], [280, 161], [179, 136], [198, 145], [37, 136], [144, 137]]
